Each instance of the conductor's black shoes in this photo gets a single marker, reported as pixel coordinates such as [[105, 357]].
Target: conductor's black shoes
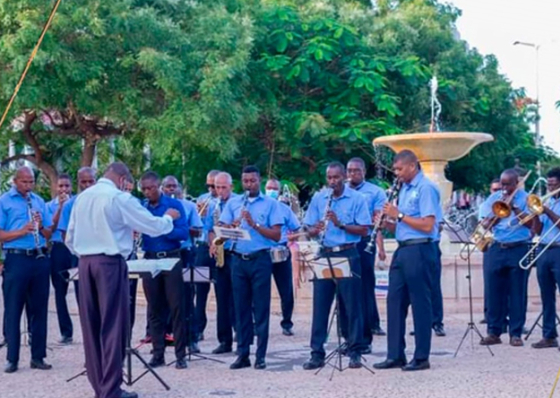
[[240, 363], [416, 365], [181, 364], [11, 367], [156, 362], [40, 364], [314, 363], [390, 364]]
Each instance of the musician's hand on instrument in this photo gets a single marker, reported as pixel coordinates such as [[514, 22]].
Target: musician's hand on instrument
[[212, 250], [29, 228], [245, 215], [173, 213], [390, 210], [382, 255], [332, 217], [202, 208], [62, 198]]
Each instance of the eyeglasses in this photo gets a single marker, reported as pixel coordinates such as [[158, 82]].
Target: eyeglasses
[[211, 186]]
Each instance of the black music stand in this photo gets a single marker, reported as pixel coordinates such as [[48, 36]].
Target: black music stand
[[341, 348], [460, 235], [128, 379]]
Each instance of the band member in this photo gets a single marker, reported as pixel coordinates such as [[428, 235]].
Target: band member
[[170, 187], [375, 198], [103, 273], [506, 280], [202, 257], [61, 259], [282, 271], [340, 215], [86, 178], [24, 229], [410, 275], [548, 264], [437, 295], [166, 290], [252, 265], [225, 314]]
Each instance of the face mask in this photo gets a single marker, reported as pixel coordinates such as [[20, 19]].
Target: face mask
[[272, 193]]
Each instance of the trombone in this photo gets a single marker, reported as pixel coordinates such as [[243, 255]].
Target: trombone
[[536, 205], [531, 253]]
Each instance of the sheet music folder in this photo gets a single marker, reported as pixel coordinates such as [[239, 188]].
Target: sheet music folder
[[457, 234], [232, 233]]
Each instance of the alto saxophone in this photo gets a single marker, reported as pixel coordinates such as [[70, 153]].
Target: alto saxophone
[[219, 254]]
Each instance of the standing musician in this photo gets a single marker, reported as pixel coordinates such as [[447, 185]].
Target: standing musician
[[24, 230], [225, 311], [548, 264], [170, 187], [252, 265], [506, 280], [61, 259], [167, 289], [437, 294], [103, 272], [282, 270], [410, 274], [375, 198], [342, 225]]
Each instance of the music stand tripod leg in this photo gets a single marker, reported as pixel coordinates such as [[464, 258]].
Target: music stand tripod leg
[[535, 325]]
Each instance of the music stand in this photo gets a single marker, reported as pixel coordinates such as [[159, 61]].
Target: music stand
[[460, 235], [334, 268]]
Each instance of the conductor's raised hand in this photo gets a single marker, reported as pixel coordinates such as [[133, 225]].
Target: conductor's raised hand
[[173, 213]]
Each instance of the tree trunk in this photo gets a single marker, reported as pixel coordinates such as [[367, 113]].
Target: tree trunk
[[88, 153]]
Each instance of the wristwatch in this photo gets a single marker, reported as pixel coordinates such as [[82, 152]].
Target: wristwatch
[[342, 227], [257, 226], [400, 217]]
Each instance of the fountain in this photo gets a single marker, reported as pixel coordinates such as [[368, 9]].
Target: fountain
[[435, 149]]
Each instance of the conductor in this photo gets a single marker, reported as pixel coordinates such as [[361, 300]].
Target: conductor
[[100, 234]]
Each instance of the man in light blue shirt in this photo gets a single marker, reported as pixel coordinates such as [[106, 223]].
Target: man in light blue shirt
[[507, 282], [282, 269], [61, 258], [252, 266], [24, 231], [339, 216], [548, 264], [414, 221]]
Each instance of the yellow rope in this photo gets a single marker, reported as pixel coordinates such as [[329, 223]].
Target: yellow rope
[[33, 54], [555, 382]]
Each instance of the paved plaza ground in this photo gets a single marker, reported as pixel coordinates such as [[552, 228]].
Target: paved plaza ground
[[512, 372]]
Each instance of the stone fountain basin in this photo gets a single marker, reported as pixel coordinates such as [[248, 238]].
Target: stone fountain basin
[[435, 146]]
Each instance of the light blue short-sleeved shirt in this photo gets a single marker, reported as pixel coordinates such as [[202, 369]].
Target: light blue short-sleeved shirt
[[264, 211], [291, 223], [554, 205], [207, 219], [419, 198], [351, 209], [375, 196], [193, 221], [217, 207], [508, 230], [14, 215], [65, 216]]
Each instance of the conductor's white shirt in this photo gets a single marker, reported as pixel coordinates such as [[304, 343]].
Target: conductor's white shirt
[[103, 218]]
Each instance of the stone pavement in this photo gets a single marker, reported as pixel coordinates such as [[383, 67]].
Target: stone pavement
[[512, 372]]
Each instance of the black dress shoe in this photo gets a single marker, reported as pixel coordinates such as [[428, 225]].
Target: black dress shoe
[[378, 331], [287, 332], [314, 363], [65, 340], [240, 363], [355, 362], [483, 321], [39, 364], [127, 394], [181, 364], [194, 349], [222, 349], [439, 331], [545, 343], [11, 367], [390, 364], [366, 350], [156, 362], [416, 365], [260, 364]]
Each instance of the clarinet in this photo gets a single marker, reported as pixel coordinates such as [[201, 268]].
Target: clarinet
[[393, 194], [36, 236], [326, 220]]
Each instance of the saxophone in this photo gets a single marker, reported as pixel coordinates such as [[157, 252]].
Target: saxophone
[[218, 243]]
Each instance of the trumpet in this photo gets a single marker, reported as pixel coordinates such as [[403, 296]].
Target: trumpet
[[32, 218], [536, 205], [204, 206], [393, 194]]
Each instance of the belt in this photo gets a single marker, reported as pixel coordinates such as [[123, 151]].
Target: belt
[[341, 248], [251, 256], [164, 254], [551, 245], [509, 245], [27, 252], [411, 242]]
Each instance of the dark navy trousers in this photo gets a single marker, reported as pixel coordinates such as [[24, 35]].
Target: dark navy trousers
[[548, 274], [282, 273], [506, 288], [251, 281], [203, 259], [437, 295], [349, 296], [225, 308], [410, 284], [61, 261], [26, 282]]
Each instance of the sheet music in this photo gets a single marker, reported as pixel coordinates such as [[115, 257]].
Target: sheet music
[[152, 267], [340, 266], [232, 233]]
